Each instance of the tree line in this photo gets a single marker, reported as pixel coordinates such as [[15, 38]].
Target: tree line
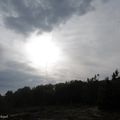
[[102, 93]]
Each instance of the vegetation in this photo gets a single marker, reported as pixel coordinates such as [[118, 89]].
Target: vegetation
[[105, 94]]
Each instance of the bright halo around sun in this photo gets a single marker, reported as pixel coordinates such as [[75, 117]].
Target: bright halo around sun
[[41, 51]]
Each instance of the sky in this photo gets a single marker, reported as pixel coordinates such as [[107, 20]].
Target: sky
[[52, 41]]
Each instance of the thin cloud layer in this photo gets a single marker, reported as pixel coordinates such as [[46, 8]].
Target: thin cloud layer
[[88, 38], [25, 16]]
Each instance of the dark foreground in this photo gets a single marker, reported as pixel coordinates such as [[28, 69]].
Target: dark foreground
[[63, 101], [65, 113]]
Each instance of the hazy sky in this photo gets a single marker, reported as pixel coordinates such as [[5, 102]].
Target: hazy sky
[[85, 33]]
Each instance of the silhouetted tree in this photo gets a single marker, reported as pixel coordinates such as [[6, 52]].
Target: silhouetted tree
[[105, 94], [115, 75]]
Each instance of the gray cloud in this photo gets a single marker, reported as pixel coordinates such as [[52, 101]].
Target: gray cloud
[[17, 75], [26, 15], [13, 79], [14, 71], [90, 44]]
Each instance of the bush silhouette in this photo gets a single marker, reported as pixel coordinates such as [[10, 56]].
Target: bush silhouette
[[102, 93]]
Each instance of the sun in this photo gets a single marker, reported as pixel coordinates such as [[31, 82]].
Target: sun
[[41, 50]]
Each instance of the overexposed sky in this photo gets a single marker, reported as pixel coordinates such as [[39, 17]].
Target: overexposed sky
[[72, 39]]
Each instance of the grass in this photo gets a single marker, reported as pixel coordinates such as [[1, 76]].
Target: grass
[[66, 113]]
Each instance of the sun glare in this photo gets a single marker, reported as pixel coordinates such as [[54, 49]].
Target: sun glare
[[41, 50]]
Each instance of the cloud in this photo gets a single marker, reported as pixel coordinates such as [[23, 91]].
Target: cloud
[[25, 16], [83, 40], [91, 42], [14, 70], [14, 79], [17, 75]]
